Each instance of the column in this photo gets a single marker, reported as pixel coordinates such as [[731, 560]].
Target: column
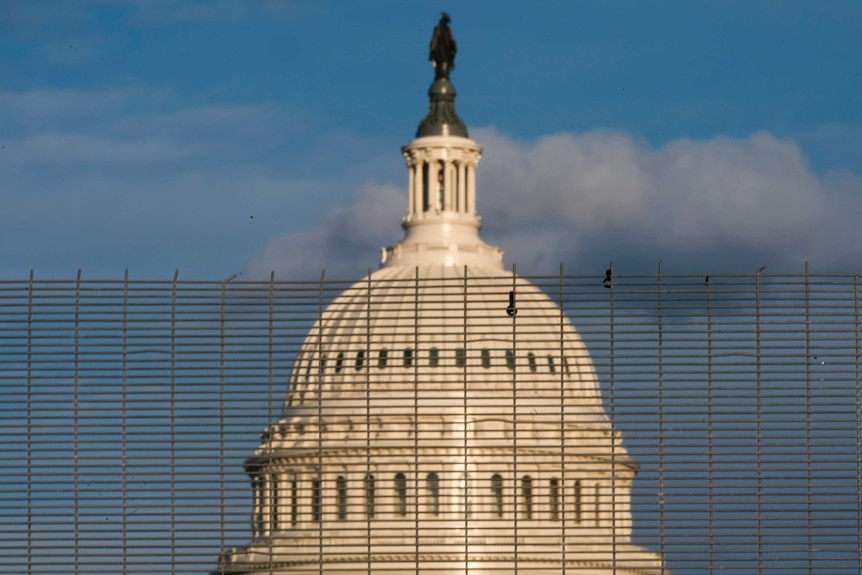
[[411, 188], [462, 188], [471, 189], [425, 198]]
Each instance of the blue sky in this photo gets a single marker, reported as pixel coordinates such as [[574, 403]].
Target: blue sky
[[239, 137]]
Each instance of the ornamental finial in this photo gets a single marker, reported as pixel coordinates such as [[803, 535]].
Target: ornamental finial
[[442, 119]]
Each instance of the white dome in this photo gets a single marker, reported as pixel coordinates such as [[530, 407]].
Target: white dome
[[426, 428], [435, 334]]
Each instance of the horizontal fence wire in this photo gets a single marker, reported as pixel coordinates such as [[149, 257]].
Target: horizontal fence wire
[[140, 423]]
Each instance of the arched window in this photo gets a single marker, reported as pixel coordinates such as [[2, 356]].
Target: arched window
[[401, 495], [526, 497], [369, 496], [294, 503], [464, 496], [432, 482], [315, 500], [460, 357], [339, 361], [257, 513], [531, 360], [565, 363], [551, 367], [486, 358], [510, 359], [578, 502], [598, 503], [341, 497], [433, 357], [273, 503], [554, 498], [382, 358], [497, 493], [360, 359]]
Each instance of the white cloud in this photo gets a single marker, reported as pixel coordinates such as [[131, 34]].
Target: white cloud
[[347, 245], [608, 194], [722, 204], [128, 178]]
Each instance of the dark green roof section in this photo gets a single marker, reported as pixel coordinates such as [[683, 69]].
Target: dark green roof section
[[442, 119]]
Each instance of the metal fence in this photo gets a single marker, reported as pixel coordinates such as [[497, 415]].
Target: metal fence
[[128, 410]]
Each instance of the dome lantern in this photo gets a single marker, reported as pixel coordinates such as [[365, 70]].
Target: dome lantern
[[442, 223]]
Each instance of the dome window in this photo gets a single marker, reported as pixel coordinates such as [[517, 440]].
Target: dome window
[[460, 357], [294, 502], [526, 497], [465, 495], [433, 357], [554, 498], [360, 359], [510, 359], [433, 485], [339, 362], [497, 492], [486, 358], [401, 495], [578, 503], [408, 357], [341, 498], [257, 491], [551, 367], [315, 500], [382, 358], [597, 501], [531, 360], [369, 496], [274, 503]]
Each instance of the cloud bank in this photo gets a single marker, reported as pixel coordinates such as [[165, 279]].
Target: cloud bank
[[584, 200], [137, 178]]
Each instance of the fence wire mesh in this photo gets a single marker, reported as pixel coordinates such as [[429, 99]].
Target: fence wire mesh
[[131, 412]]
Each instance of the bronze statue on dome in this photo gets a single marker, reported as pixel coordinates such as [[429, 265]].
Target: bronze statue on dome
[[443, 48]]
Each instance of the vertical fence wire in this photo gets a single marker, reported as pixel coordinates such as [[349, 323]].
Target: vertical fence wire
[[661, 407], [759, 411], [561, 295], [710, 446], [857, 348], [130, 408], [809, 472], [173, 420]]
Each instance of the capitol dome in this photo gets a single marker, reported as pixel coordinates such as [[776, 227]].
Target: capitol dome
[[443, 414]]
